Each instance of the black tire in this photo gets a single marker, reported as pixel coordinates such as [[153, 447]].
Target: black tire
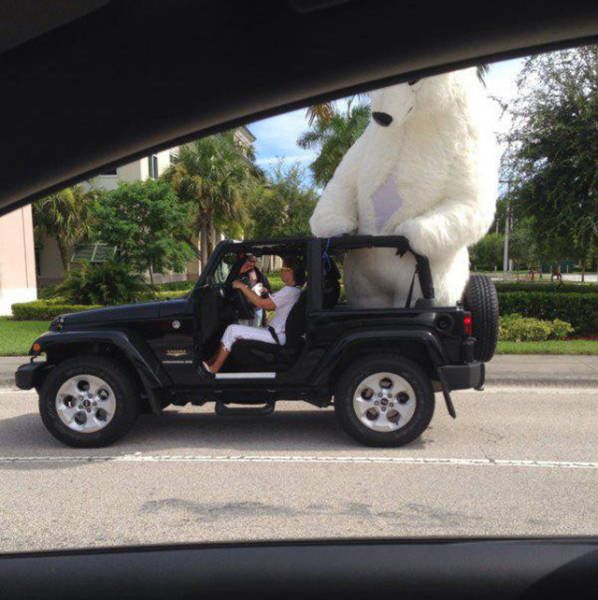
[[357, 372], [481, 300], [126, 398]]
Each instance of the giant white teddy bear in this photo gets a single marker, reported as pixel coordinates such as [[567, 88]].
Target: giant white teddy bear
[[426, 167]]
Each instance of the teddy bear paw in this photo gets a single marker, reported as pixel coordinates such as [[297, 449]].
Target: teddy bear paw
[[331, 225], [412, 232]]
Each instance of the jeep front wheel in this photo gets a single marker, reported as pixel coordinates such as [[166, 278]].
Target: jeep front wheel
[[384, 400], [88, 401]]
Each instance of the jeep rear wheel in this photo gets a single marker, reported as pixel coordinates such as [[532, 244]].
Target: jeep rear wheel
[[384, 400], [88, 401]]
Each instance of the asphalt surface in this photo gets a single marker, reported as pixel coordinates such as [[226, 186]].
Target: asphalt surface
[[516, 461]]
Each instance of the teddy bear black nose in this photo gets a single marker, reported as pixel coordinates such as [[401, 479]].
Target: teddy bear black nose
[[382, 118]]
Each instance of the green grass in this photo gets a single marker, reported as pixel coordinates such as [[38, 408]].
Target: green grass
[[549, 347], [16, 337]]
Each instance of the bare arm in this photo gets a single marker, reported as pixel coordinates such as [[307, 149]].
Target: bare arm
[[256, 300]]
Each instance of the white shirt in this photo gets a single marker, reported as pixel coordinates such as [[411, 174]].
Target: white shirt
[[284, 300]]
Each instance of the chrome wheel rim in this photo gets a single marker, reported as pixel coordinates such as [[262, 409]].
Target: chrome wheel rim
[[384, 402], [85, 403]]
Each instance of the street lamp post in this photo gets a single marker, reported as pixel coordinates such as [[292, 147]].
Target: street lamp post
[[505, 254]]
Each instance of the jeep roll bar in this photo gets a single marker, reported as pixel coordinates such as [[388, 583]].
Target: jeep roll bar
[[401, 243], [344, 242]]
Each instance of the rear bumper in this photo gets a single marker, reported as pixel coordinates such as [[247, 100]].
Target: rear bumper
[[28, 376], [463, 377]]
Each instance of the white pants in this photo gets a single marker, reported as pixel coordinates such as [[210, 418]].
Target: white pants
[[256, 321], [243, 332]]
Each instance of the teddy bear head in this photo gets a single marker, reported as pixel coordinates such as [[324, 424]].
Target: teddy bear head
[[394, 105]]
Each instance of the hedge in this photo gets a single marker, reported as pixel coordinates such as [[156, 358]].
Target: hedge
[[171, 295], [555, 288], [42, 310], [579, 309], [174, 286]]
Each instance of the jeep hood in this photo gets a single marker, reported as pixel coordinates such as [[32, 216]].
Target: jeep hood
[[110, 314]]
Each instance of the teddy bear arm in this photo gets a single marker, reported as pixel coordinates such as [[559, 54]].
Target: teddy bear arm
[[336, 211], [451, 225]]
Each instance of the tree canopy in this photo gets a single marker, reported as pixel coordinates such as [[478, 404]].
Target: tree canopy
[[333, 137], [214, 176], [552, 148], [65, 217], [282, 206], [148, 225]]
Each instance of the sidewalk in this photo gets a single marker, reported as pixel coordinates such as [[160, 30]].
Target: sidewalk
[[504, 369], [8, 366], [543, 370]]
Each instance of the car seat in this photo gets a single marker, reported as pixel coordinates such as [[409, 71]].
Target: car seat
[[252, 355]]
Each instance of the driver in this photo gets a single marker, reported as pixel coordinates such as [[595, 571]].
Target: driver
[[293, 276]]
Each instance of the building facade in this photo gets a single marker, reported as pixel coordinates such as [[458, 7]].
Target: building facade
[[17, 259]]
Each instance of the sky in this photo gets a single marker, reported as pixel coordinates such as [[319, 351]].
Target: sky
[[276, 137]]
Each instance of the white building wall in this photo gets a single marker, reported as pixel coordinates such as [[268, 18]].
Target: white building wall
[[17, 259]]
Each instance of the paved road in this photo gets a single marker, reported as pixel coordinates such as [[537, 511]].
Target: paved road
[[516, 461]]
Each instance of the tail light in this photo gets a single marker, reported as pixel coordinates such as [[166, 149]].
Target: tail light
[[467, 324]]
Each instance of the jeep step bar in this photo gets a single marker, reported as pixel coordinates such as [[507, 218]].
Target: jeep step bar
[[224, 410]]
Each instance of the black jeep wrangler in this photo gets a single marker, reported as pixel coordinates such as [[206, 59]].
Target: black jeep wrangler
[[379, 368]]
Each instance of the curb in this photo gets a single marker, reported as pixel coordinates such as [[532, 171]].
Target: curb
[[561, 382]]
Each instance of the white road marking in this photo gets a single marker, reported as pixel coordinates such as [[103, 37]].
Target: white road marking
[[289, 459]]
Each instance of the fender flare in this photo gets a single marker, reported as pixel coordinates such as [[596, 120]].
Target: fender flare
[[369, 339], [151, 373]]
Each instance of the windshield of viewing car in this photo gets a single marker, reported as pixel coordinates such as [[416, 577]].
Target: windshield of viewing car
[[253, 416]]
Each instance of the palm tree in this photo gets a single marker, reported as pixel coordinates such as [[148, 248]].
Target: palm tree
[[334, 137], [322, 111], [214, 175], [65, 217], [482, 71]]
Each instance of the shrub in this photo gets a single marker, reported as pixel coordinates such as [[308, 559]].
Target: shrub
[[561, 329], [174, 285], [578, 309], [515, 328], [170, 295], [42, 310], [103, 283], [558, 288]]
